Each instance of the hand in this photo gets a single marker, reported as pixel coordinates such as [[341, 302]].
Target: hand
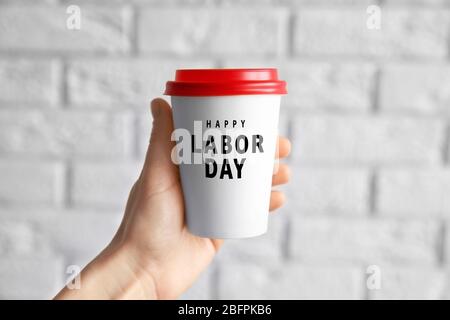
[[153, 255]]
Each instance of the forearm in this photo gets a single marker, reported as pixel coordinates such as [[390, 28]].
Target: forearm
[[113, 275]]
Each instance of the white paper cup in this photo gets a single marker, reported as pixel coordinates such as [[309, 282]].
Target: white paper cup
[[227, 143]]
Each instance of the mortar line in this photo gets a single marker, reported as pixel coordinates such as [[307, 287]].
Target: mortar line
[[63, 85], [290, 125], [134, 32], [441, 245], [86, 54], [290, 133], [373, 192], [290, 52], [448, 40], [446, 145], [286, 232], [375, 97], [68, 201]]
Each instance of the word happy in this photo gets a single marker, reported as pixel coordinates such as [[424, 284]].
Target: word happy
[[225, 124], [221, 151]]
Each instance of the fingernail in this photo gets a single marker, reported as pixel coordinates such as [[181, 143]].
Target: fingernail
[[155, 108]]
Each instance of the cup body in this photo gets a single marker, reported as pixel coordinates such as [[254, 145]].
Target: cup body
[[232, 199]]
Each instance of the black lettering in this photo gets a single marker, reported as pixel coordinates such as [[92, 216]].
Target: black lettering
[[226, 170], [210, 168], [239, 166], [193, 145], [257, 143], [210, 145], [226, 144], [238, 144]]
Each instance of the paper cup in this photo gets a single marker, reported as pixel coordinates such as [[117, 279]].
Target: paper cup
[[226, 123]]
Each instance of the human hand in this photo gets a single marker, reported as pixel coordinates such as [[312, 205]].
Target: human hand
[[153, 255]]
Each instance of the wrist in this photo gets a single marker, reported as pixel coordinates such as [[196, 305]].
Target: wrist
[[130, 278], [114, 274]]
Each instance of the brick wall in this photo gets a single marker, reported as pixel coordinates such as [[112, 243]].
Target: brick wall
[[367, 112]]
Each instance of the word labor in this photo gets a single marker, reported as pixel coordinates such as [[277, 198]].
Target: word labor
[[222, 152]]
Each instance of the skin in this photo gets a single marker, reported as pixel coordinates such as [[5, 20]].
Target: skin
[[153, 255]]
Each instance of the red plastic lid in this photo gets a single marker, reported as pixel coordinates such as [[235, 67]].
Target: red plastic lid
[[225, 82]]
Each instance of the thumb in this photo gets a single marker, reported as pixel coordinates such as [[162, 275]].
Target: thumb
[[159, 172]]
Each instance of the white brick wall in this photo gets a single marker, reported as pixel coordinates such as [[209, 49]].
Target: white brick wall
[[28, 81], [30, 278], [409, 192], [16, 237], [66, 133], [288, 281], [31, 183], [411, 283], [367, 113], [414, 32], [415, 88], [364, 241], [217, 32], [329, 190], [43, 28], [115, 82], [89, 181], [367, 140]]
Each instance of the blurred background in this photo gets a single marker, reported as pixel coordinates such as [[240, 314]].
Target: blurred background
[[367, 111]]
